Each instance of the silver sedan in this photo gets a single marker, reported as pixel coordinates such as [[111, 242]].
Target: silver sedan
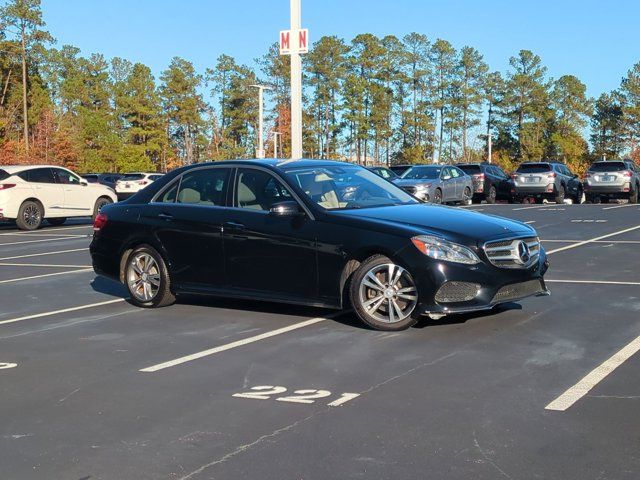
[[437, 184]]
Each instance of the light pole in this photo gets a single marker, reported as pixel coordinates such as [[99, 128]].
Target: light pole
[[296, 86], [261, 89], [275, 143]]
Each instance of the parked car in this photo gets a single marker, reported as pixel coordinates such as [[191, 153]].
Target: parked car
[[490, 182], [132, 183], [612, 179], [546, 180], [399, 169], [277, 231], [384, 172], [107, 179], [31, 194], [437, 184]]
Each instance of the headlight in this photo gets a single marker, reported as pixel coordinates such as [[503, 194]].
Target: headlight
[[423, 186], [440, 249]]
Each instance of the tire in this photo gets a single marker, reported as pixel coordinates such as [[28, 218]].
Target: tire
[[578, 198], [633, 196], [56, 221], [378, 304], [100, 203], [560, 195], [147, 279], [467, 196], [492, 195], [30, 215], [437, 196]]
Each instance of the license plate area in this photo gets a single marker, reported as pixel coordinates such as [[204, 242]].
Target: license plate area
[[531, 179]]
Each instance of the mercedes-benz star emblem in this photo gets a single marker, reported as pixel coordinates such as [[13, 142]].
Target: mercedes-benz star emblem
[[523, 252]]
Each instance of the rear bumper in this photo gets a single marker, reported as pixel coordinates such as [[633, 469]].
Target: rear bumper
[[542, 190], [611, 190]]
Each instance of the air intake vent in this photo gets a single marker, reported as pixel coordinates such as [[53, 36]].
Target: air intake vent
[[518, 290], [454, 292]]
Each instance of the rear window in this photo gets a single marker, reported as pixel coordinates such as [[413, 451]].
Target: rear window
[[133, 176], [470, 169], [534, 168], [4, 174], [607, 167]]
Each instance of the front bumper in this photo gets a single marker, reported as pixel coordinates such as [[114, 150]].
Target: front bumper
[[495, 285]]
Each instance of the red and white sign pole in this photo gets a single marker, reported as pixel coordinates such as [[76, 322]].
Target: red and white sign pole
[[294, 42]]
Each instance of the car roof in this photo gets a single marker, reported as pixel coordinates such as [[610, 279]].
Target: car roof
[[20, 168], [277, 163]]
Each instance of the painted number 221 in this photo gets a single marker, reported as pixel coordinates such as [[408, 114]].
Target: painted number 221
[[265, 392]]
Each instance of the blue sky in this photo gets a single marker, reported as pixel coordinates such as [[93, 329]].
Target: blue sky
[[594, 40]]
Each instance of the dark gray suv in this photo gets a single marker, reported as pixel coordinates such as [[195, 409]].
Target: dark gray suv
[[552, 181]]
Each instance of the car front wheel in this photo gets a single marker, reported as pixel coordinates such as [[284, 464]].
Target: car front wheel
[[384, 295], [147, 278]]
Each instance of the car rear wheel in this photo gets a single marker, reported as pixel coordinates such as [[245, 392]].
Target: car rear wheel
[[29, 215], [384, 295], [99, 205], [492, 195], [56, 221], [437, 196], [466, 196], [147, 278]]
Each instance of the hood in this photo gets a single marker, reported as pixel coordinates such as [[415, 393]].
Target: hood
[[469, 227]]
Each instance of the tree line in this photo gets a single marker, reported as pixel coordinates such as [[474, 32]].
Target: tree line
[[384, 100]]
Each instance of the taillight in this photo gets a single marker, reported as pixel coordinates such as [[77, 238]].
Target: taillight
[[588, 175], [142, 182], [479, 176], [551, 175], [6, 186], [514, 176], [627, 173], [100, 222]]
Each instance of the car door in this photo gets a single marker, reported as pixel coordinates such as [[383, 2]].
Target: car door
[[266, 253], [448, 185], [46, 190], [186, 218], [502, 182], [79, 199]]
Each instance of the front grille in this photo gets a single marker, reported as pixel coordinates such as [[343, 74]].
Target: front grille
[[512, 253], [453, 292], [518, 290], [410, 190]]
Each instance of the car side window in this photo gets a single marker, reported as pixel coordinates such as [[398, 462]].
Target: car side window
[[446, 172], [38, 175], [259, 190], [65, 178], [169, 195], [206, 186]]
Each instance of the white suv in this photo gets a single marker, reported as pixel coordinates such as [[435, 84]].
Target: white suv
[[132, 183], [31, 193]]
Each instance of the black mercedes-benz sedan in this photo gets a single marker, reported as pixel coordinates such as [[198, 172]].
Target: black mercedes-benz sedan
[[280, 231]]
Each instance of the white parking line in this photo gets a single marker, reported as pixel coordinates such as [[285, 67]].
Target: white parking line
[[595, 282], [43, 254], [12, 280], [70, 235], [45, 230], [238, 343], [57, 239], [44, 265], [592, 240], [620, 206], [580, 389], [530, 222], [529, 208], [64, 310]]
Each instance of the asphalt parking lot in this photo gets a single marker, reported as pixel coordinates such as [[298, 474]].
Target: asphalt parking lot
[[94, 388]]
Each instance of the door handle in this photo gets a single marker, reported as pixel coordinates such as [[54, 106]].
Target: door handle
[[165, 216], [234, 225]]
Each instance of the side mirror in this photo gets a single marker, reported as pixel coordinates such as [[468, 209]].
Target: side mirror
[[285, 209], [83, 182]]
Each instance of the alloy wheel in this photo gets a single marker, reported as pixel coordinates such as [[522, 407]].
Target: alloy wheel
[[31, 215], [387, 293], [143, 277]]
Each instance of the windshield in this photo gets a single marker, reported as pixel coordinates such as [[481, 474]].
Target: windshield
[[470, 169], [422, 172], [346, 187], [534, 168], [133, 176], [607, 167]]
